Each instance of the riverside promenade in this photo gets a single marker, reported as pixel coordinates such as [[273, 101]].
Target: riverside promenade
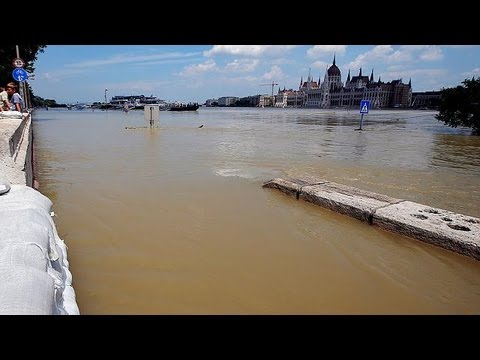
[[34, 272], [455, 232]]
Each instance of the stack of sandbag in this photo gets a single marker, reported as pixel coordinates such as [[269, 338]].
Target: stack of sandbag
[[34, 274]]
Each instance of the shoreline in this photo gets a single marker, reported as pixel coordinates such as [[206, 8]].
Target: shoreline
[[34, 271]]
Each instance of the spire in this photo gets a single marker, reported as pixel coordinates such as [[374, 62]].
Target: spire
[[309, 70], [319, 78], [379, 81], [348, 77], [333, 58], [410, 82], [301, 81], [371, 76], [360, 73]]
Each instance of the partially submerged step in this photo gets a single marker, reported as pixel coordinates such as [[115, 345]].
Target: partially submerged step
[[456, 232]]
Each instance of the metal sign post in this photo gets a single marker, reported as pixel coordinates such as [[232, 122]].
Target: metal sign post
[[20, 75], [364, 107]]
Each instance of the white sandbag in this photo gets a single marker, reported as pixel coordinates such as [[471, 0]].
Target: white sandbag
[[21, 196], [25, 291], [28, 225], [28, 254], [13, 231], [4, 186], [11, 114], [69, 301], [34, 274]]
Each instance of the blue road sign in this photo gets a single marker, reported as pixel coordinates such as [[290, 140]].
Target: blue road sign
[[364, 106], [19, 74]]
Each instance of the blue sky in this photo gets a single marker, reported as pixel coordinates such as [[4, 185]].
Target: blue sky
[[71, 73]]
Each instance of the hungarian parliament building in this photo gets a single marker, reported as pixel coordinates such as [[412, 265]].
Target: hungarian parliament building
[[332, 92]]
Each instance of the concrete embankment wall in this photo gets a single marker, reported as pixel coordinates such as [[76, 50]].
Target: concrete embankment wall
[[34, 270], [455, 232]]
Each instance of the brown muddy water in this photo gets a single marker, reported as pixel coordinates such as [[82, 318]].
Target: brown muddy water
[[174, 219]]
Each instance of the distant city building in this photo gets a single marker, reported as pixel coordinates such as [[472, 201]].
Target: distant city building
[[249, 101], [227, 100], [426, 99], [211, 102], [266, 101], [289, 98], [333, 93]]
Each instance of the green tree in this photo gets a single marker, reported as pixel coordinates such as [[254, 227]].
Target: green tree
[[460, 106], [27, 52], [37, 101]]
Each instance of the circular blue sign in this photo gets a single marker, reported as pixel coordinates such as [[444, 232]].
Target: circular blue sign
[[19, 74]]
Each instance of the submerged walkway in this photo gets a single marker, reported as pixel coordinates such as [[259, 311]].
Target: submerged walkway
[[455, 232], [34, 273]]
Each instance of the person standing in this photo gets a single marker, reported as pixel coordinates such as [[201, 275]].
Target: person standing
[[16, 101], [4, 103]]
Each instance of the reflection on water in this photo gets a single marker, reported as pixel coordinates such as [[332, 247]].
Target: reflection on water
[[174, 220], [458, 152]]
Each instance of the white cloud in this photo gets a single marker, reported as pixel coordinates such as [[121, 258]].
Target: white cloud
[[164, 62], [425, 52], [416, 72], [399, 56], [321, 50], [135, 87], [321, 65], [197, 84], [239, 80], [431, 77], [60, 75], [461, 46], [414, 47], [275, 74], [432, 53], [404, 55], [475, 72], [377, 54], [282, 61], [248, 50], [48, 76], [396, 67], [194, 69], [129, 58], [243, 65]]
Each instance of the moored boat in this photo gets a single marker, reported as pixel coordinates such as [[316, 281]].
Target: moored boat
[[184, 107]]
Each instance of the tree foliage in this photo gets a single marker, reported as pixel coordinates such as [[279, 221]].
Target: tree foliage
[[37, 101], [460, 106], [27, 52]]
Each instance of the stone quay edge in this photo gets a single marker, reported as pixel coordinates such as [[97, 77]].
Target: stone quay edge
[[443, 228]]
